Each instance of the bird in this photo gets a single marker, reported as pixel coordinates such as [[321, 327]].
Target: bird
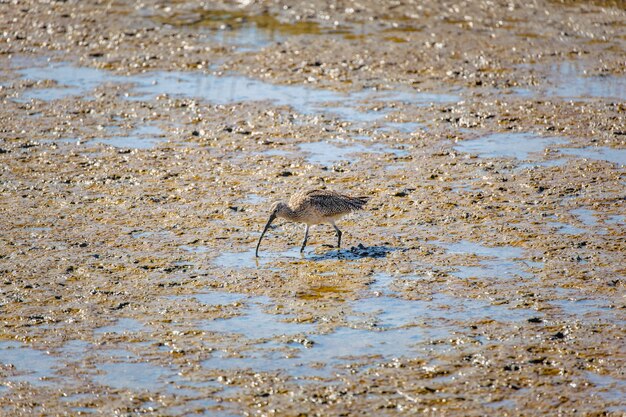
[[314, 207]]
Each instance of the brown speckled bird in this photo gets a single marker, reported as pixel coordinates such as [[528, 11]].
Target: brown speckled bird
[[314, 207]]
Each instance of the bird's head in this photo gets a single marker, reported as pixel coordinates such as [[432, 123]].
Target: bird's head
[[278, 209]]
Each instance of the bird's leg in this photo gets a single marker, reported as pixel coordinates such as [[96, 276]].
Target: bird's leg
[[306, 236], [338, 235]]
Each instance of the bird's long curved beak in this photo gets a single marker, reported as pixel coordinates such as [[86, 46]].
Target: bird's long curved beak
[[267, 226]]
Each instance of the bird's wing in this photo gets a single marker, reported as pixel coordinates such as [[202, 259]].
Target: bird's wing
[[329, 203]]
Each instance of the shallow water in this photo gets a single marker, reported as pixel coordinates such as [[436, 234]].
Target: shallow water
[[133, 375], [71, 80], [406, 127], [328, 153], [569, 81], [31, 366], [617, 156], [586, 216], [439, 311], [142, 137], [224, 89], [247, 259], [178, 344], [254, 323], [247, 32], [501, 262], [400, 325], [124, 325], [508, 145], [566, 229]]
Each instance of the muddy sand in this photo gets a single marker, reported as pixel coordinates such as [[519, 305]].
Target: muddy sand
[[141, 146]]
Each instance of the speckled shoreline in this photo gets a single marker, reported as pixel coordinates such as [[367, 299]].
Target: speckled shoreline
[[140, 149]]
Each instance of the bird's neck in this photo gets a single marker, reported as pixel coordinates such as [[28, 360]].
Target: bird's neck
[[289, 214]]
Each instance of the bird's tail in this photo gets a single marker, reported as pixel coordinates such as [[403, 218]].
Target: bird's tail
[[357, 203]]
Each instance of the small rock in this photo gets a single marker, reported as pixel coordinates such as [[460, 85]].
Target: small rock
[[558, 336]]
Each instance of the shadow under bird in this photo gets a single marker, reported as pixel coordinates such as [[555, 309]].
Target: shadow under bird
[[314, 207]]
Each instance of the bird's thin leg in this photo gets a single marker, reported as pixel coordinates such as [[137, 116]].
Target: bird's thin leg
[[306, 236], [338, 235]]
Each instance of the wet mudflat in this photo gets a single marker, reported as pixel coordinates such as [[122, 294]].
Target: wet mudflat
[[141, 148]]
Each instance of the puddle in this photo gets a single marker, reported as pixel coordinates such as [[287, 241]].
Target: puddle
[[229, 89], [226, 89], [132, 376], [327, 153], [244, 31], [330, 351], [395, 312], [586, 216], [247, 259], [276, 152], [139, 234], [570, 81], [599, 153], [70, 79], [256, 323], [219, 298], [353, 115], [32, 366], [236, 260], [143, 137], [616, 219], [195, 249], [579, 305], [405, 127], [503, 261], [611, 389], [253, 199], [545, 164], [124, 325], [567, 229], [401, 325], [507, 145]]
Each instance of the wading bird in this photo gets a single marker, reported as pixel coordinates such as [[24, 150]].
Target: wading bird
[[314, 207]]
